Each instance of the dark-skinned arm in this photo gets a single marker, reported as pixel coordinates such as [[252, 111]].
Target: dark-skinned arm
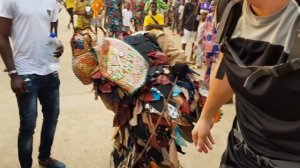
[[60, 49], [183, 19], [52, 25], [17, 83]]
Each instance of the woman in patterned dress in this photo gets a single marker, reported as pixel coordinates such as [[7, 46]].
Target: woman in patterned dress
[[113, 17], [211, 48], [137, 8]]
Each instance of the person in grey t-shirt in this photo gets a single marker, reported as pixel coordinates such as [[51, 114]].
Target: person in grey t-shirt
[[255, 66]]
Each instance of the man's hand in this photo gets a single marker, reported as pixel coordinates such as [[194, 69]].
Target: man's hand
[[202, 137], [18, 85], [59, 51]]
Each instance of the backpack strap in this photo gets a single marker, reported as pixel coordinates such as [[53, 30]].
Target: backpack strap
[[220, 7], [295, 52], [227, 15], [230, 11], [154, 20], [292, 65]]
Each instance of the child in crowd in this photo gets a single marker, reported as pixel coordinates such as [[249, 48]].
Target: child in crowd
[[199, 47], [54, 25], [127, 16], [154, 20], [180, 10], [83, 10], [113, 17], [98, 15], [69, 5], [175, 16]]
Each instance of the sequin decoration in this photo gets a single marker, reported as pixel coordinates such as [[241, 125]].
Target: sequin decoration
[[122, 64], [83, 66]]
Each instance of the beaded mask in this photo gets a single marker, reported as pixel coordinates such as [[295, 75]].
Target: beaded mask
[[121, 64]]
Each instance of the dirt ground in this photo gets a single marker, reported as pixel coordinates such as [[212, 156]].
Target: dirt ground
[[83, 136]]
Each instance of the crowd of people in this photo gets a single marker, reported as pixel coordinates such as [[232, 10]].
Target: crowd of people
[[193, 20], [256, 67]]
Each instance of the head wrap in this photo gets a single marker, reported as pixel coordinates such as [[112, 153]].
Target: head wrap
[[205, 6], [204, 11]]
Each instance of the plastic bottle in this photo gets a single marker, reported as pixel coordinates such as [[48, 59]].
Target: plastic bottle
[[53, 44]]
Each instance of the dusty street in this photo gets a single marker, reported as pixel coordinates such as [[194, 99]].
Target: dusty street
[[83, 137]]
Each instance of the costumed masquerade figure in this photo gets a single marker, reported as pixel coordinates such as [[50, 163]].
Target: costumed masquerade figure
[[154, 96]]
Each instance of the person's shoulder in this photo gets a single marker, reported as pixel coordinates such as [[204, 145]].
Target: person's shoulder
[[293, 9], [297, 4], [188, 4], [7, 6], [52, 1], [160, 15], [211, 14], [7, 2], [147, 17], [222, 4]]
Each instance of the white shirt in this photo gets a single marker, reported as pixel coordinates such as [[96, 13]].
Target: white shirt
[[200, 31], [127, 15], [180, 11], [30, 33], [58, 8]]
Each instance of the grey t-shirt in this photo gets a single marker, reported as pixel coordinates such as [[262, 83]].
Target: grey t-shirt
[[268, 113]]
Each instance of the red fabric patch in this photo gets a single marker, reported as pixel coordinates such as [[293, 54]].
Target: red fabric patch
[[185, 107], [158, 57], [148, 97]]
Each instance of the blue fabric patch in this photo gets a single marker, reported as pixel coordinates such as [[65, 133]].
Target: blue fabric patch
[[179, 139], [155, 95], [176, 91]]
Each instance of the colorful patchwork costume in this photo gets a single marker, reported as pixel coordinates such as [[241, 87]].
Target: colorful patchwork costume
[[142, 80]]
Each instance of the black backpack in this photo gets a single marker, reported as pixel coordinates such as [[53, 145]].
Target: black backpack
[[228, 13]]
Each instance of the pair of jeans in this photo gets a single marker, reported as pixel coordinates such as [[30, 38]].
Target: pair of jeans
[[46, 90]]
